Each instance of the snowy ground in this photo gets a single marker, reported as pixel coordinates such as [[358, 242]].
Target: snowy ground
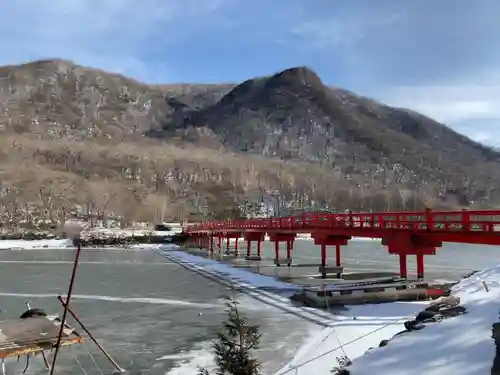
[[458, 346], [352, 331], [35, 244]]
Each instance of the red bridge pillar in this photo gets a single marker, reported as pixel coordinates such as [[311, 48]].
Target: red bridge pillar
[[249, 247], [289, 249], [288, 238], [404, 244], [236, 237], [219, 242], [250, 237], [211, 244], [325, 240]]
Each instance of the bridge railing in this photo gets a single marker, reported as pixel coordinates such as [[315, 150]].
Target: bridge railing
[[474, 221]]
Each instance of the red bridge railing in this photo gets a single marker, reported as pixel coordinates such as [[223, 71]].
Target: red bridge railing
[[434, 221]]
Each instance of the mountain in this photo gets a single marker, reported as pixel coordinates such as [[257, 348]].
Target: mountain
[[81, 137], [294, 116]]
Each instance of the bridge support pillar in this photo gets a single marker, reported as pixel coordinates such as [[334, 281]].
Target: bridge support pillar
[[289, 248], [250, 237], [403, 266], [277, 253], [338, 260], [287, 238], [404, 244], [323, 260], [232, 236], [420, 266], [329, 240], [211, 244]]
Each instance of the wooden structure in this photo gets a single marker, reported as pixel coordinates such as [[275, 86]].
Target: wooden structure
[[33, 335]]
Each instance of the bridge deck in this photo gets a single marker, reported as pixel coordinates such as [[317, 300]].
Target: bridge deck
[[480, 227]]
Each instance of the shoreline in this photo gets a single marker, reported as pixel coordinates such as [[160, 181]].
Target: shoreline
[[359, 327], [365, 335]]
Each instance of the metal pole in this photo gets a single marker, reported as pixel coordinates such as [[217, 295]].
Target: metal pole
[[68, 298], [106, 354]]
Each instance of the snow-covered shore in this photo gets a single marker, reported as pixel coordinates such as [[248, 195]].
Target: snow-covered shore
[[357, 329], [35, 244], [460, 346]]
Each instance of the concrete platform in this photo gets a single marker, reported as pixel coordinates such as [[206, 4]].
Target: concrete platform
[[361, 294], [253, 257], [283, 262]]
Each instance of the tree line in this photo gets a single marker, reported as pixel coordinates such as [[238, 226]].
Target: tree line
[[46, 180]]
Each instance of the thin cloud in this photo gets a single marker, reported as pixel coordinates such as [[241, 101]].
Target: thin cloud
[[124, 36], [341, 30], [471, 109], [449, 103]]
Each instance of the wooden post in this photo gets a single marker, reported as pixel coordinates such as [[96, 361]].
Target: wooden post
[[68, 299]]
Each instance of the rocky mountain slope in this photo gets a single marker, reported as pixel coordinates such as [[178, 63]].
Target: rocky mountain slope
[[205, 149], [293, 115]]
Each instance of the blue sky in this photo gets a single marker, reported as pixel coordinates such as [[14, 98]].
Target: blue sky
[[439, 57]]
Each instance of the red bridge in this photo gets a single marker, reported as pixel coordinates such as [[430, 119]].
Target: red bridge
[[404, 233]]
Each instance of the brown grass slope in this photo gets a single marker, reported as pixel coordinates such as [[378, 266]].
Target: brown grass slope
[[74, 136]]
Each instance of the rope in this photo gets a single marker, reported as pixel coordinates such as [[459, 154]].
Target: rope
[[334, 349], [92, 358], [323, 340], [75, 356], [334, 331]]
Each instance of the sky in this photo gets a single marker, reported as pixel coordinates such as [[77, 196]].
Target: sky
[[438, 57]]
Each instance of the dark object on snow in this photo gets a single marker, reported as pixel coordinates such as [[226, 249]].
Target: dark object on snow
[[495, 335], [425, 315], [470, 274], [413, 325], [383, 343], [454, 311], [343, 371], [162, 228], [32, 313]]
